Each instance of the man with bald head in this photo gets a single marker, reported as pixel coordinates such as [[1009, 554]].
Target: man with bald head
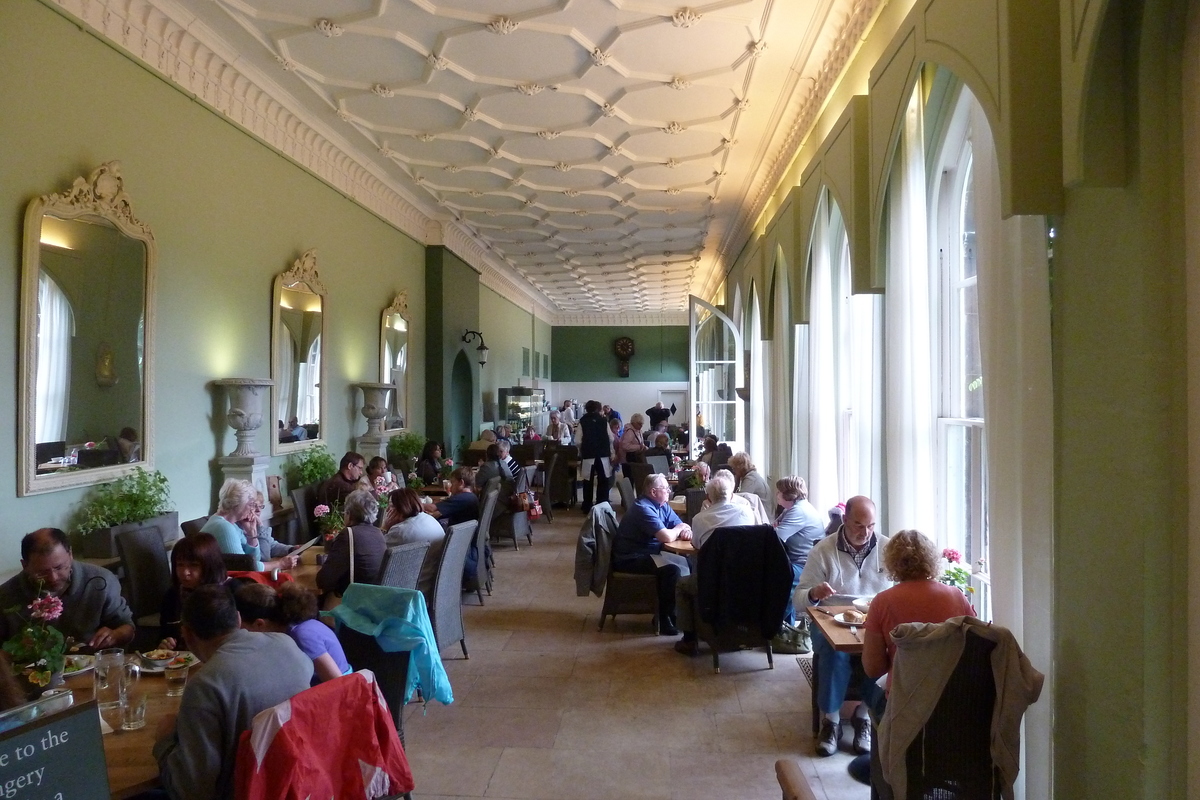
[[94, 613], [848, 562]]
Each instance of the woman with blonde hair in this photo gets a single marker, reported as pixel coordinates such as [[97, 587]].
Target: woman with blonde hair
[[914, 563], [798, 526]]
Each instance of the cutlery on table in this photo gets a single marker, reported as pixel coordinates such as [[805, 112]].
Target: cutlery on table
[[854, 632]]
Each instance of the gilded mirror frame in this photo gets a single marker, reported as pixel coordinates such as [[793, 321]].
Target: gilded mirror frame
[[399, 306], [303, 271], [99, 198]]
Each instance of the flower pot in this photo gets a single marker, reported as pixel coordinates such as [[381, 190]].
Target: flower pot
[[102, 542]]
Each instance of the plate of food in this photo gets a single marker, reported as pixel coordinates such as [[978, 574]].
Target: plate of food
[[158, 666], [849, 618], [862, 603], [77, 665], [157, 658]]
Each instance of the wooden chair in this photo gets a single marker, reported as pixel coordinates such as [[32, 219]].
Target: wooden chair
[[792, 782], [446, 613], [402, 565]]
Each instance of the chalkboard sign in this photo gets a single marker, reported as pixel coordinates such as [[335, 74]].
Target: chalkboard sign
[[55, 757]]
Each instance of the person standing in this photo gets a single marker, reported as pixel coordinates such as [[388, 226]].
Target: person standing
[[657, 415], [595, 454]]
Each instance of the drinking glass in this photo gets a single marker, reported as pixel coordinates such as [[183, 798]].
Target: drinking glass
[[176, 680], [133, 711], [106, 677]]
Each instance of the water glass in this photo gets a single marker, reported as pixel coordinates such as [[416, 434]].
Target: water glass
[[133, 711], [106, 677], [176, 680]]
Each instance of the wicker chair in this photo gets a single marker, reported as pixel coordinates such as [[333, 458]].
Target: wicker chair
[[446, 613], [628, 498], [391, 669], [304, 500], [482, 579], [402, 565], [638, 473], [147, 578], [624, 592], [695, 502], [193, 526]]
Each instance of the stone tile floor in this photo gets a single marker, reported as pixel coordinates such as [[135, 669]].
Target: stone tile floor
[[548, 707]]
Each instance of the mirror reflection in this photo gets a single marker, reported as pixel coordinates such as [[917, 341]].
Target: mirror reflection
[[85, 300], [297, 337], [393, 358]]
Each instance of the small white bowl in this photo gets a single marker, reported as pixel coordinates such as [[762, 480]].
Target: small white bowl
[[863, 603]]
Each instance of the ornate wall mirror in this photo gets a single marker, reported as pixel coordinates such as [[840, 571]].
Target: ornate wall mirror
[[393, 358], [297, 338], [87, 355]]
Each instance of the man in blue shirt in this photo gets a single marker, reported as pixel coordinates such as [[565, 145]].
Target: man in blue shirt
[[643, 531]]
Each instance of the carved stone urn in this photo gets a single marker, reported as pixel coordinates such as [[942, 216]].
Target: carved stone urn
[[245, 409], [375, 406]]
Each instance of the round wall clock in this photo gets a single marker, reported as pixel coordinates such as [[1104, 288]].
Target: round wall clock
[[623, 347]]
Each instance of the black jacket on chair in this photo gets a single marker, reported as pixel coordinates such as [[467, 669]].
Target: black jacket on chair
[[743, 579]]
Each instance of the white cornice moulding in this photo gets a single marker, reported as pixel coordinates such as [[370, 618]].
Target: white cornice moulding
[[175, 45], [623, 319], [494, 273]]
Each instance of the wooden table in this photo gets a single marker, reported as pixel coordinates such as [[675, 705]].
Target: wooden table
[[680, 547], [306, 573], [131, 765], [837, 635]]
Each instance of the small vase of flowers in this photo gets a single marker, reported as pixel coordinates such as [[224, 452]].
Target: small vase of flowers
[[38, 647], [954, 573], [330, 520]]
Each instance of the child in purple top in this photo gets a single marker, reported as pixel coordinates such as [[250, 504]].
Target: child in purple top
[[293, 610]]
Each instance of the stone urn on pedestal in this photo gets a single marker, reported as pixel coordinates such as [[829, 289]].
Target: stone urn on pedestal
[[245, 410], [245, 416], [375, 409]]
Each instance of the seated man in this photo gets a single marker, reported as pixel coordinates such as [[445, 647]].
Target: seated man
[[642, 532], [243, 674], [348, 478], [847, 563], [721, 513], [94, 613]]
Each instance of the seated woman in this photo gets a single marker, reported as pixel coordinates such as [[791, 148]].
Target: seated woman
[[493, 466], [557, 430], [235, 513], [751, 481], [406, 522], [429, 466], [913, 562], [799, 527], [462, 504], [293, 610], [195, 561], [662, 446], [380, 478], [359, 544]]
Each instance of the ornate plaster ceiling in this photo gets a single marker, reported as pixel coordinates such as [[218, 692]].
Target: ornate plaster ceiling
[[596, 156]]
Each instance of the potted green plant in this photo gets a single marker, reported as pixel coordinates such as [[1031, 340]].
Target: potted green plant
[[141, 500], [404, 449], [310, 466]]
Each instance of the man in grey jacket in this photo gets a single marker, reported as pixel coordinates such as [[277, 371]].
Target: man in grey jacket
[[243, 674]]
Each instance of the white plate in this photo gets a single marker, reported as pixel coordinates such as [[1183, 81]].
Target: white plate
[[82, 663], [863, 603], [840, 619], [150, 669]]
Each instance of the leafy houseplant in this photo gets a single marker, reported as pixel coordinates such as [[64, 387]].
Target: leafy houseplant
[[134, 498], [38, 646], [310, 466], [330, 520], [404, 449]]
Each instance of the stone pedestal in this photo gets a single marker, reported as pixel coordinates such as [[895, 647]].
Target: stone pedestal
[[375, 409], [249, 468]]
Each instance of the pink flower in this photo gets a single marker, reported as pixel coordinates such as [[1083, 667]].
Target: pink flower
[[449, 462], [321, 510], [46, 608], [381, 482], [952, 555]]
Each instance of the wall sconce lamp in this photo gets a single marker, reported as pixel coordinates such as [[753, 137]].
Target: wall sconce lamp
[[482, 350]]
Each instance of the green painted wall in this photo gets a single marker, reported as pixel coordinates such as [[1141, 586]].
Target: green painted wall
[[585, 353], [1120, 437], [228, 214], [453, 308], [509, 330]]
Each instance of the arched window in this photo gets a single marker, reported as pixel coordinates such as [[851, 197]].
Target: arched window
[[55, 329], [310, 388]]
